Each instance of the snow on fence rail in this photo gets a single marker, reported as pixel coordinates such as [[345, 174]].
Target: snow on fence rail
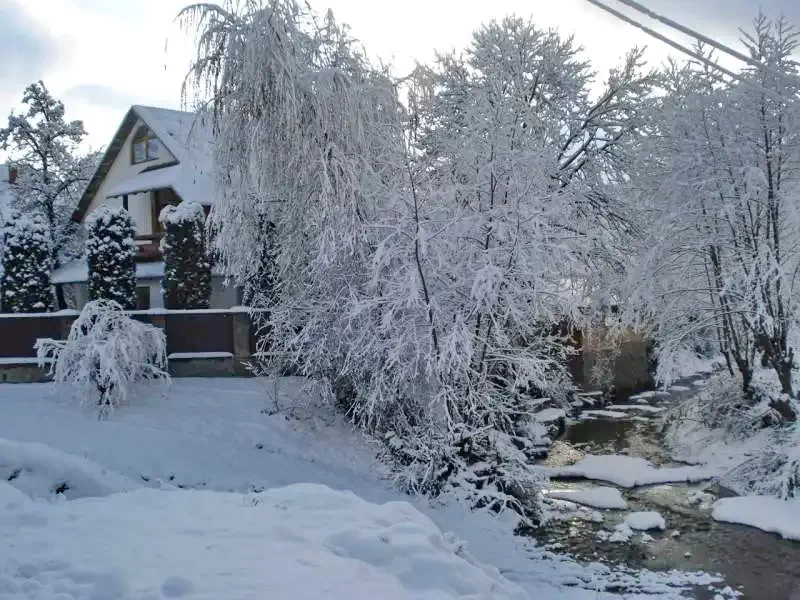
[[192, 335]]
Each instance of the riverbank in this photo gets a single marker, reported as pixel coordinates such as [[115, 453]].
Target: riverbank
[[624, 449]]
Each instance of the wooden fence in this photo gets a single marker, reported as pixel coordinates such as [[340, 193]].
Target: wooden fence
[[199, 342]]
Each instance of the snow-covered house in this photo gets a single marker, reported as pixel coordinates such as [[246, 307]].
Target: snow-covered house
[[157, 157]]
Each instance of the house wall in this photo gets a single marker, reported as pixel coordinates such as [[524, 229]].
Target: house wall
[[76, 295], [139, 205]]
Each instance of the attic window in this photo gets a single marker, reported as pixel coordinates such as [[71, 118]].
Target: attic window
[[145, 146]]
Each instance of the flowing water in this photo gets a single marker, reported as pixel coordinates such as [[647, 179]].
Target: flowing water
[[760, 565]]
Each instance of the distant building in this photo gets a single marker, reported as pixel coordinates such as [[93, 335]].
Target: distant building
[[157, 157], [7, 177]]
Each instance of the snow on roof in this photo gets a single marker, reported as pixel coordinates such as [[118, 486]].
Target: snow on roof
[[190, 139], [187, 183], [77, 271], [145, 181]]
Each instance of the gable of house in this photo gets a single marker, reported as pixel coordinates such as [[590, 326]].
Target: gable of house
[[183, 164]]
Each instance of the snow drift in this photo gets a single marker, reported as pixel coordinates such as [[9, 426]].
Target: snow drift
[[301, 541], [39, 471]]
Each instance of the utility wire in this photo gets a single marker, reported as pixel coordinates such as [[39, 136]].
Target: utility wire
[[697, 35], [696, 55]]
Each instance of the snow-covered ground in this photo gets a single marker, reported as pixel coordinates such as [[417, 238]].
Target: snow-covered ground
[[764, 512], [299, 541], [123, 528], [760, 463]]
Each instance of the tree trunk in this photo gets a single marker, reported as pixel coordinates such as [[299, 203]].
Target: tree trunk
[[747, 380], [783, 404]]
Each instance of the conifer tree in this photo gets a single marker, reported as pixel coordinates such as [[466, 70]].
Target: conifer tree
[[26, 265], [187, 268], [111, 254]]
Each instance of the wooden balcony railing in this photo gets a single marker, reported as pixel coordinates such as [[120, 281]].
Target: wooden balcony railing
[[147, 247]]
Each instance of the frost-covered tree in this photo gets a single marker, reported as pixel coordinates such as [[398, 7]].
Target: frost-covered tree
[[105, 354], [187, 266], [111, 256], [423, 254], [721, 259], [25, 287], [51, 173]]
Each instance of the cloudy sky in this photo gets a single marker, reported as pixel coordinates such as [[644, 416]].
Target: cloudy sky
[[101, 56]]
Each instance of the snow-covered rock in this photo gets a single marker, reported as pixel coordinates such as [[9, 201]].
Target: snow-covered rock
[[645, 521], [628, 471], [700, 498], [622, 533], [603, 414], [763, 512], [549, 415], [598, 497]]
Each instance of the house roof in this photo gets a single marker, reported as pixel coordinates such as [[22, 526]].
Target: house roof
[[186, 135]]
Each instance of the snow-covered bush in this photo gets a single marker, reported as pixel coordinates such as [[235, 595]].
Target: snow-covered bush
[[25, 287], [187, 266], [106, 353], [487, 469], [111, 255]]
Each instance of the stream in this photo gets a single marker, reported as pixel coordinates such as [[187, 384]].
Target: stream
[[761, 566]]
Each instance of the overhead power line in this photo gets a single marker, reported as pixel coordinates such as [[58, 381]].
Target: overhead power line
[[697, 35], [696, 55]]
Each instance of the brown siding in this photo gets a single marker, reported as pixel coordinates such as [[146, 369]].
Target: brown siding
[[199, 332], [186, 332], [19, 334]]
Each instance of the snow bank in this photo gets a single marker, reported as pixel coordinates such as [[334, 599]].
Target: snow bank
[[599, 497], [628, 471], [762, 512], [300, 541], [644, 521], [40, 471], [605, 414], [549, 415]]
